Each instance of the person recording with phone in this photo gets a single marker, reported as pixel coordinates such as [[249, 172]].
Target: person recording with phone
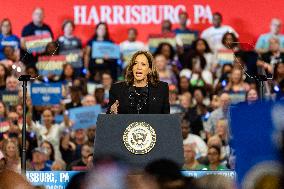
[[142, 92]]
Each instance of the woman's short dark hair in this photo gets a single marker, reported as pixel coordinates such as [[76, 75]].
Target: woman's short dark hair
[[235, 39], [68, 22], [217, 148], [194, 45], [153, 76], [159, 49]]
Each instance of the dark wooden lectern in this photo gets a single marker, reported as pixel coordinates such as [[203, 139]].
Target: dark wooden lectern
[[139, 138]]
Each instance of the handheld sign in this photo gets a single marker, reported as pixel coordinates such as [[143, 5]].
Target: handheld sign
[[52, 65], [84, 117], [103, 49], [74, 57], [186, 38], [155, 39], [43, 94], [37, 43], [10, 98], [225, 56]]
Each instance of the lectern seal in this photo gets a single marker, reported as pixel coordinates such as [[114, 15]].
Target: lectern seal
[[139, 138]]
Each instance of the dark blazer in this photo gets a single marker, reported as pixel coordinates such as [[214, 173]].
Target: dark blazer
[[158, 98]]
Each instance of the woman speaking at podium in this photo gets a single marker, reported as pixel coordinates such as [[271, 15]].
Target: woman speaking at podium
[[142, 92]]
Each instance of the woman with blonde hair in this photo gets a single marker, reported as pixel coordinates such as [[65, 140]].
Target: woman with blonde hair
[[11, 152], [142, 92]]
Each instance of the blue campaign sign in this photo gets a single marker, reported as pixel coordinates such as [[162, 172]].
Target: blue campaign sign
[[50, 179], [197, 174], [84, 117], [103, 49], [255, 130], [46, 93], [60, 179]]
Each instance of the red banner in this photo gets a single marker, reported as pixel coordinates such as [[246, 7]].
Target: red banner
[[250, 18]]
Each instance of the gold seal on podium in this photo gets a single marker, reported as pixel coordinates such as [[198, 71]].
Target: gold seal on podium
[[139, 138]]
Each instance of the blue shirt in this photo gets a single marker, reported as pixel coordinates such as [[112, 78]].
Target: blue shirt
[[11, 40], [263, 41]]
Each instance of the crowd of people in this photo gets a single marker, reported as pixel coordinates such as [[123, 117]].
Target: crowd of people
[[205, 78]]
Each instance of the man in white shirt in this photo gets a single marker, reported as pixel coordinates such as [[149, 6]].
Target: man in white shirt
[[214, 34], [262, 44], [194, 140], [130, 46]]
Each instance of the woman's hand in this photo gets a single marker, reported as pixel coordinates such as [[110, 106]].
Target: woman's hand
[[114, 107]]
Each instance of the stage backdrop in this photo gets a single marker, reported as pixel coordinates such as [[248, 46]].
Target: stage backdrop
[[249, 17]]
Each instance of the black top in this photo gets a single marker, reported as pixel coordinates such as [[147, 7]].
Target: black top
[[138, 98], [144, 100], [32, 29]]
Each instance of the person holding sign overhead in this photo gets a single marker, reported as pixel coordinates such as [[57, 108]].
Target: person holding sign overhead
[[99, 54], [142, 92]]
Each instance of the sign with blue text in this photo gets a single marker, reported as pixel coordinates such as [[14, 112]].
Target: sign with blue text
[[43, 94], [105, 49], [84, 117]]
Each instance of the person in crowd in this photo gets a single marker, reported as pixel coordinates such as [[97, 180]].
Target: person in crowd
[[58, 165], [272, 57], [68, 41], [183, 29], [175, 99], [221, 112], [164, 71], [12, 83], [91, 134], [222, 131], [196, 113], [222, 80], [213, 35], [97, 66], [214, 158], [236, 82], [71, 45], [2, 161], [50, 153], [185, 101], [81, 163], [67, 78], [168, 51], [7, 38], [106, 82], [4, 73], [252, 96], [133, 95], [38, 162], [3, 111], [89, 100], [183, 85], [80, 138], [166, 27], [49, 131], [190, 162], [37, 26], [215, 140], [67, 148], [214, 102], [11, 152], [99, 95], [75, 94], [214, 182], [230, 42], [11, 180], [188, 138], [130, 46], [262, 44], [201, 56]]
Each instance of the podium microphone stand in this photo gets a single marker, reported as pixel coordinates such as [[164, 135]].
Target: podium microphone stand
[[24, 79]]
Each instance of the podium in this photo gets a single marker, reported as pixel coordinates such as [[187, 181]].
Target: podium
[[139, 138]]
